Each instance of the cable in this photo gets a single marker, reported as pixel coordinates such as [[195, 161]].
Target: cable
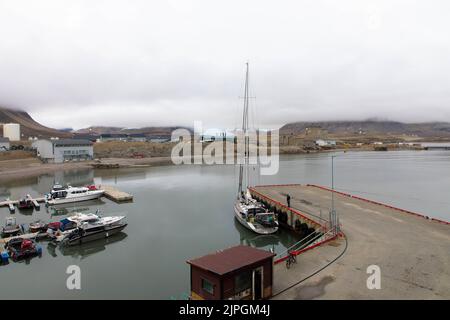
[[316, 272]]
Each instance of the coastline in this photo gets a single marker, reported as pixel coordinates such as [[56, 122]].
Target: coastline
[[11, 170]]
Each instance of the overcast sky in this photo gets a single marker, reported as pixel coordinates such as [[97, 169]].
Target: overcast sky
[[145, 63]]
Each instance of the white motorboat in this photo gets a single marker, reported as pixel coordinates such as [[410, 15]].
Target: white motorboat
[[248, 211], [68, 194], [92, 231], [88, 226]]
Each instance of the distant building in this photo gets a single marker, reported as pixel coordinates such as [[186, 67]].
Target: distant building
[[113, 137], [58, 151], [325, 143], [236, 273], [11, 131], [4, 144], [212, 135], [158, 139], [90, 137], [137, 137]]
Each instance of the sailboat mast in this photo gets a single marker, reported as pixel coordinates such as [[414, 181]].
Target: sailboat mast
[[244, 130]]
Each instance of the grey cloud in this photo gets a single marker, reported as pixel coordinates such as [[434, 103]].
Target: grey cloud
[[80, 63]]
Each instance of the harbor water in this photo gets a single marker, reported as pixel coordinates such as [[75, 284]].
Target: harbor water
[[181, 212]]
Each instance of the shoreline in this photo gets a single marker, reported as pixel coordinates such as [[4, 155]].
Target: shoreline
[[11, 170]]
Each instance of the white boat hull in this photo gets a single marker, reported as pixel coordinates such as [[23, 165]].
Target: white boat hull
[[85, 197], [252, 226]]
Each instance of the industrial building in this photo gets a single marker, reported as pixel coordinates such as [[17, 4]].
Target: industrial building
[[58, 151], [113, 137], [236, 273], [11, 131], [4, 144]]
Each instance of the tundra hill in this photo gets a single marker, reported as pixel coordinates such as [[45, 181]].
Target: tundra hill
[[155, 131], [28, 126], [434, 130]]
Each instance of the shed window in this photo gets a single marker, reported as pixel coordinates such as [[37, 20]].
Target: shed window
[[207, 286]]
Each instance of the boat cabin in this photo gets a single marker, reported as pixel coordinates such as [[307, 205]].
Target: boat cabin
[[236, 273]]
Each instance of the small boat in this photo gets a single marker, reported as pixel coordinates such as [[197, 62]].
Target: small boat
[[19, 248], [68, 194], [37, 226], [249, 212], [25, 203], [11, 228]]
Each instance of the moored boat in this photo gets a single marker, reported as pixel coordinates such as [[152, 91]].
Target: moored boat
[[11, 228], [37, 226], [25, 203], [249, 212], [91, 231], [19, 248], [68, 194], [86, 227]]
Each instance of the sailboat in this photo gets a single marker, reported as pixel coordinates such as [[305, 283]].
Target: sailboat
[[248, 211]]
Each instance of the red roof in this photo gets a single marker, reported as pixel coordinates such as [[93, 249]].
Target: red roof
[[231, 259]]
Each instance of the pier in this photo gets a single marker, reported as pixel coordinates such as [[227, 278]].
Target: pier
[[117, 195], [410, 249]]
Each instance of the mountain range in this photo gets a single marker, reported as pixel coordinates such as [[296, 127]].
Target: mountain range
[[31, 128], [372, 127]]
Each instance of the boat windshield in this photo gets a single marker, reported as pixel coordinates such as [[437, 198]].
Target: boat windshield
[[266, 218], [256, 211]]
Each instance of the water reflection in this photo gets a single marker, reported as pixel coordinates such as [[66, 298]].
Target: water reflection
[[274, 242], [69, 209], [86, 249]]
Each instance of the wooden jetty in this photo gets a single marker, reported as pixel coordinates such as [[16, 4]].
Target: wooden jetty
[[116, 195], [410, 249]]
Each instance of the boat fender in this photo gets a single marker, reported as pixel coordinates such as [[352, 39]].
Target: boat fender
[[39, 249], [4, 256]]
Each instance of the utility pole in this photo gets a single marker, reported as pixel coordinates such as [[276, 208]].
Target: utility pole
[[334, 220]]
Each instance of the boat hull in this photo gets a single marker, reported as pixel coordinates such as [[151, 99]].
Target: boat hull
[[251, 226], [95, 236]]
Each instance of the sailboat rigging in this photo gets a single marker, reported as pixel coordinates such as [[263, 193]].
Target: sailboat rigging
[[248, 211]]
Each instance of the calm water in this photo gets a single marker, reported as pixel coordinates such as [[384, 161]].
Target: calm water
[[184, 212]]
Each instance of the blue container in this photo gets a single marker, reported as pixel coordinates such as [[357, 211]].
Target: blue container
[[4, 256], [39, 249]]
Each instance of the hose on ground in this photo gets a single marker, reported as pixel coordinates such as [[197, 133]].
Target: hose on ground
[[315, 272]]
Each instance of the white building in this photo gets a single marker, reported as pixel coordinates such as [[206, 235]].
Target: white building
[[11, 131], [211, 135], [4, 144], [325, 143], [58, 151]]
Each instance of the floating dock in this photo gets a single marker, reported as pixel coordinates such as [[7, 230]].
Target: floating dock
[[110, 192], [410, 249], [36, 236], [116, 195], [11, 204]]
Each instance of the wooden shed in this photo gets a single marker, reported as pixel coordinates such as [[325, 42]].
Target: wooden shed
[[240, 272]]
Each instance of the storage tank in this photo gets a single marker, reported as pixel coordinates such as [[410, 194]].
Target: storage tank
[[11, 131]]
